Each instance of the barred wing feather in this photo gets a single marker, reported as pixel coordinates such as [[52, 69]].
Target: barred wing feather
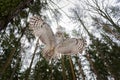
[[44, 32], [70, 46]]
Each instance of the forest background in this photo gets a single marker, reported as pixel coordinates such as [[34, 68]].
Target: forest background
[[96, 20]]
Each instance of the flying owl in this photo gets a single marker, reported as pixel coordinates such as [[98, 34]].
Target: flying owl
[[55, 44]]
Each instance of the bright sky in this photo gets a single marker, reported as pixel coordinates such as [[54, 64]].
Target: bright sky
[[65, 5], [64, 20]]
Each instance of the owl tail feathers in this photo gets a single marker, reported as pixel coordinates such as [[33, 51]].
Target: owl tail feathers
[[48, 54]]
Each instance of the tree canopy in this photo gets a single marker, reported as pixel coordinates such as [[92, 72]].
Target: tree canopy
[[96, 20]]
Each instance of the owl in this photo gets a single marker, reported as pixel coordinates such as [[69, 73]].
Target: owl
[[55, 44]]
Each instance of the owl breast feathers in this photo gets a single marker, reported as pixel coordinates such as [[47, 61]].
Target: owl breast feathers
[[55, 44]]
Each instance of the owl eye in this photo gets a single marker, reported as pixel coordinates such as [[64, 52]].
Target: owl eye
[[42, 24]]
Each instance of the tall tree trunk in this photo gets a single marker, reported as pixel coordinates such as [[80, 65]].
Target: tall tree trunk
[[63, 69], [16, 65], [72, 68], [7, 63], [29, 69], [93, 67]]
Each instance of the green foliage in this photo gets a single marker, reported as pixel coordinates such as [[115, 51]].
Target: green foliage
[[10, 43], [46, 71], [10, 58], [36, 7], [52, 71], [6, 6], [105, 59]]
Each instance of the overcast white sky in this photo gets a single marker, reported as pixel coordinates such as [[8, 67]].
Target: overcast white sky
[[65, 5], [64, 20]]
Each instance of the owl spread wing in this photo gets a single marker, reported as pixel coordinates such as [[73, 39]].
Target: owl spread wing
[[70, 46], [44, 32]]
